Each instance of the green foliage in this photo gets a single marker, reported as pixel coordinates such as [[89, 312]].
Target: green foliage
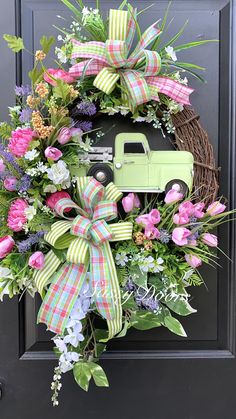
[[98, 375], [35, 74], [139, 277], [15, 43], [47, 43], [180, 306], [174, 326], [5, 130], [84, 371], [62, 90], [144, 320]]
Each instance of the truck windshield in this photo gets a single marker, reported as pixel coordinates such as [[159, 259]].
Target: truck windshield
[[134, 148]]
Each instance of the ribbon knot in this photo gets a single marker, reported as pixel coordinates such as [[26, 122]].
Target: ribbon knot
[[137, 71], [86, 238]]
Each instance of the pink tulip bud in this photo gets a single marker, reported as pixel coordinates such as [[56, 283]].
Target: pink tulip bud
[[173, 196], [193, 260], [53, 153], [154, 216], [6, 245], [151, 232], [64, 135], [36, 260], [215, 208], [181, 218], [130, 202], [142, 219], [10, 183], [2, 166], [198, 213], [210, 239], [180, 236]]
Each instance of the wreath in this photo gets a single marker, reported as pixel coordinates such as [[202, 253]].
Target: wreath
[[109, 243]]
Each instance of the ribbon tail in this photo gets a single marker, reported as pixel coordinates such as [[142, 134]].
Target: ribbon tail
[[138, 90], [42, 277], [106, 80], [87, 68], [61, 296], [171, 88]]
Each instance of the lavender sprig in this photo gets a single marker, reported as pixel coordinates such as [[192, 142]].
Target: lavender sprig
[[86, 108], [26, 245], [9, 158]]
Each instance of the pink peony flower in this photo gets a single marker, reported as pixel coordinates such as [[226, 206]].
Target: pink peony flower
[[20, 141], [181, 218], [2, 166], [53, 153], [36, 260], [215, 208], [151, 232], [16, 215], [210, 239], [180, 236], [59, 74], [154, 216], [10, 183], [130, 202], [6, 245], [173, 195], [197, 211], [193, 260], [52, 200]]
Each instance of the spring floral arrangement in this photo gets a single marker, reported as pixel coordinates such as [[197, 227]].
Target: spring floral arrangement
[[101, 261]]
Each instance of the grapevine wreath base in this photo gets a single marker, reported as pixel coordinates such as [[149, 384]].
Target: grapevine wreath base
[[105, 247]]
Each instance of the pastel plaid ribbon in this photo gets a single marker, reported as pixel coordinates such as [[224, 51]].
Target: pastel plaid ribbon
[[138, 72], [86, 238]]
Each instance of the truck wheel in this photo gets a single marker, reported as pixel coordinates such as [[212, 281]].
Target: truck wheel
[[102, 173], [182, 185]]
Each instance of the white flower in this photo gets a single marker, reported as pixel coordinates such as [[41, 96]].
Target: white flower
[[158, 265], [30, 212], [147, 264], [171, 53], [95, 11], [140, 119], [5, 272], [50, 189], [121, 259], [31, 154], [85, 12], [59, 174]]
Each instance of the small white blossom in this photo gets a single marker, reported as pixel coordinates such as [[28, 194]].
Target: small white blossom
[[85, 11], [50, 189], [121, 259], [171, 53], [30, 212], [31, 154]]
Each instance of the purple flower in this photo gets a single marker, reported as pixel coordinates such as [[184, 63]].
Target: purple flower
[[25, 115], [85, 108], [26, 245], [84, 125], [10, 159], [22, 90], [164, 236], [146, 300], [24, 184]]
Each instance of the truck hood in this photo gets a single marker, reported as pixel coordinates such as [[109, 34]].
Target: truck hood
[[170, 157]]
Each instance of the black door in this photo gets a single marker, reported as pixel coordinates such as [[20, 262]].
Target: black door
[[152, 374]]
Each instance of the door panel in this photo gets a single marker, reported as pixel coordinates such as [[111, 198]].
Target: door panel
[[156, 373]]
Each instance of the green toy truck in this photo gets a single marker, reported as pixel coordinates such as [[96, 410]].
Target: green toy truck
[[135, 168]]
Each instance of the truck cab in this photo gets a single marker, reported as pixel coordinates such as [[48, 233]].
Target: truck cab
[[136, 168]]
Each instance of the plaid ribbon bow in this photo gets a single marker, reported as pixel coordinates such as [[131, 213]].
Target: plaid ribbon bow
[[137, 72], [88, 247]]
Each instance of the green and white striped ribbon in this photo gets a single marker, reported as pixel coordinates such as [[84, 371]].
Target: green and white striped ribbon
[[118, 24], [42, 277]]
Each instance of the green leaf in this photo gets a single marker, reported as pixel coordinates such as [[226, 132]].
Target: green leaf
[[189, 71], [98, 375], [181, 307], [35, 74], [74, 10], [162, 28], [174, 326], [62, 90], [46, 43], [142, 320], [193, 44], [175, 37], [128, 302], [101, 335], [139, 278], [15, 43], [82, 374], [5, 130], [124, 330]]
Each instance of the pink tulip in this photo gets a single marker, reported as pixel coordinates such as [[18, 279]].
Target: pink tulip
[[151, 232], [210, 239], [198, 213], [6, 245], [36, 260], [2, 166], [187, 208], [64, 135], [181, 219], [76, 132], [142, 219], [10, 183], [192, 241], [180, 236], [193, 260], [130, 202], [59, 74], [215, 208], [53, 153], [52, 200], [173, 195], [154, 216]]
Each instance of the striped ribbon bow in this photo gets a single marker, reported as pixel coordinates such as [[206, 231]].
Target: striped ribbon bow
[[137, 72], [86, 238]]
